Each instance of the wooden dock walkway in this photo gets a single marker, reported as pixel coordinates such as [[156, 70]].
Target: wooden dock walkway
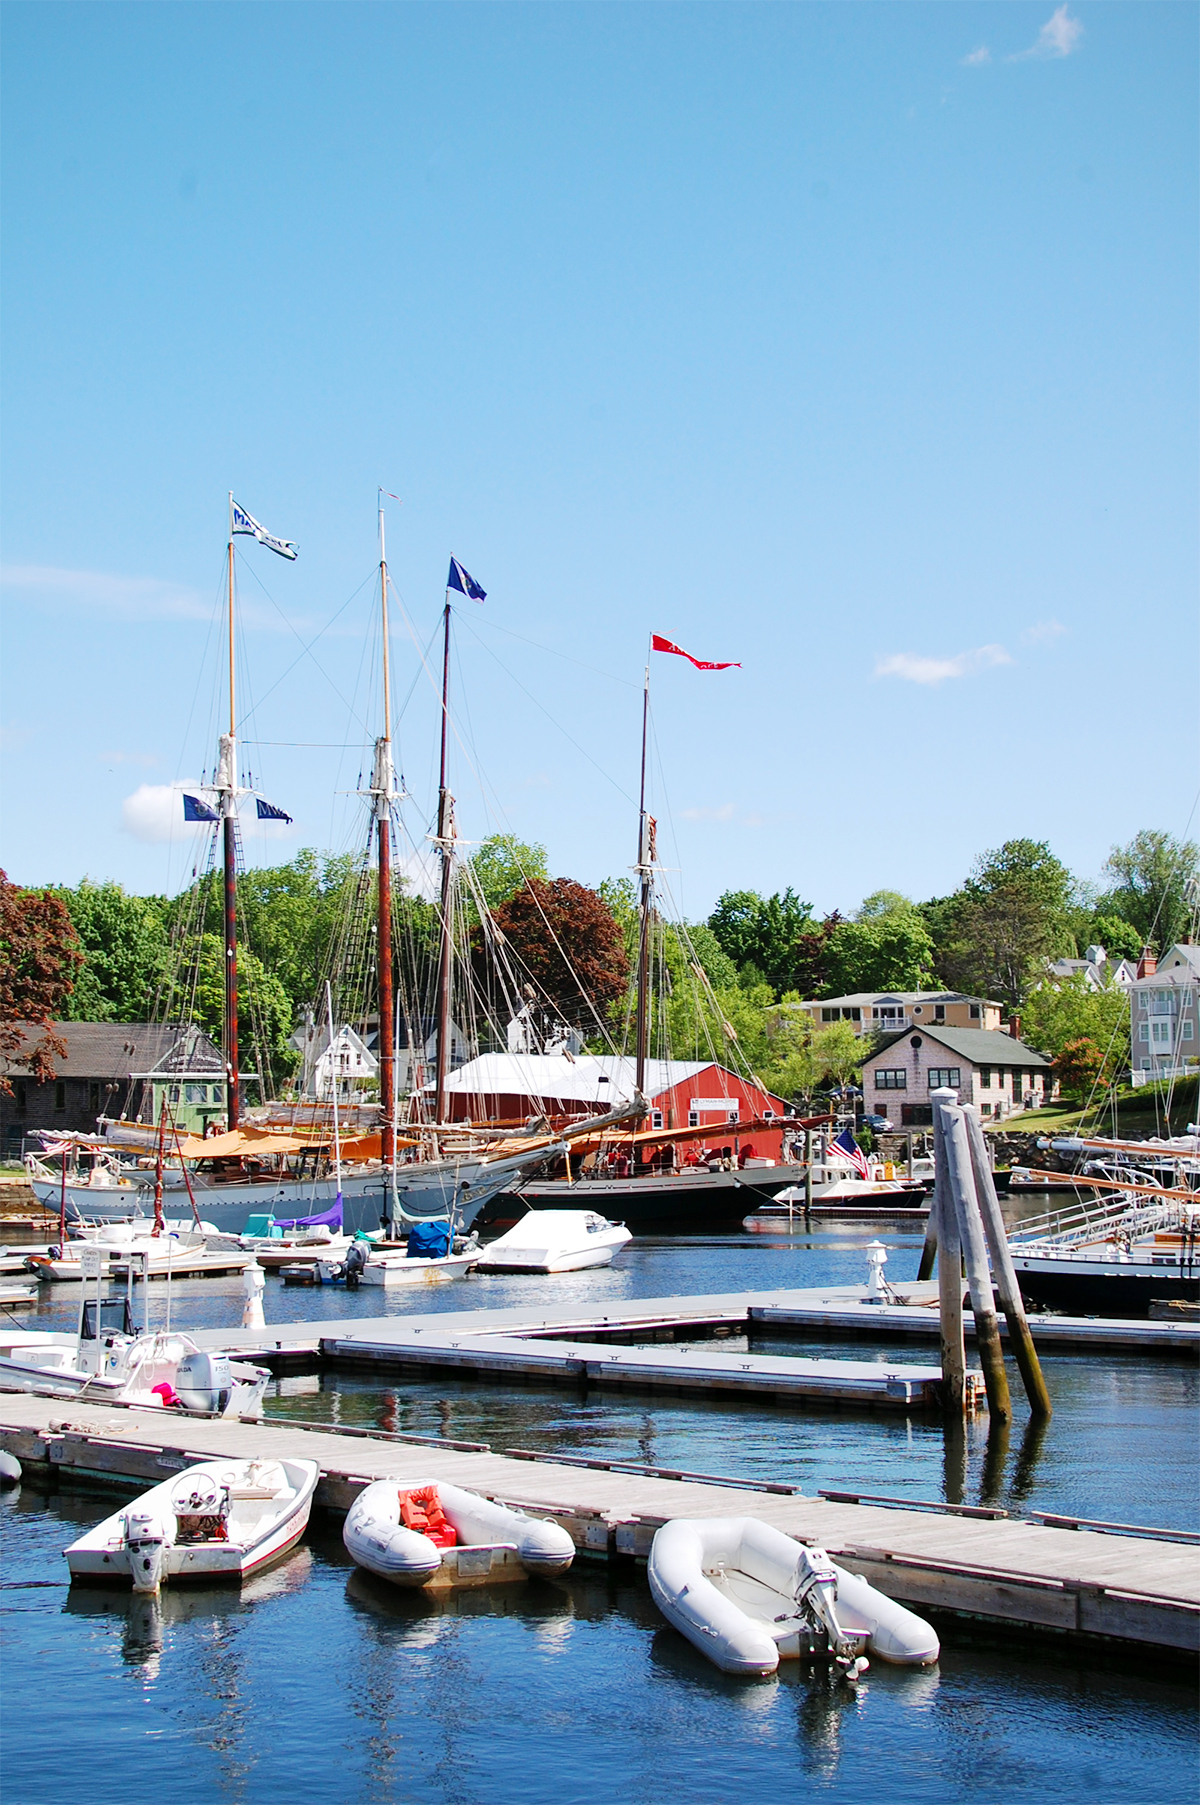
[[1033, 1578]]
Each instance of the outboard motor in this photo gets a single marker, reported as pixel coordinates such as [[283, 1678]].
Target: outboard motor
[[145, 1543], [816, 1594], [357, 1256], [204, 1382]]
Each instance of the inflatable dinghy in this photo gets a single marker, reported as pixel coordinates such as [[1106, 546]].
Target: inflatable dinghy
[[439, 1535], [748, 1596]]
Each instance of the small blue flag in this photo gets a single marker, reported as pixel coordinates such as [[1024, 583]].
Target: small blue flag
[[268, 812], [196, 809], [465, 583]]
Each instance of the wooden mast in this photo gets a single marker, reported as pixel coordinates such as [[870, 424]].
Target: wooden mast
[[227, 783], [385, 789], [645, 867], [445, 837]]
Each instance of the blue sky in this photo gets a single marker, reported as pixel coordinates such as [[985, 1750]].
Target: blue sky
[[856, 343]]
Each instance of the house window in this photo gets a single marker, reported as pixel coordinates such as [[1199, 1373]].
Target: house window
[[174, 1093], [768, 1115], [656, 1118], [974, 1012], [985, 1077], [1185, 1032], [93, 1096], [22, 1099], [693, 1118], [1160, 1033], [945, 1077], [916, 1115], [60, 1095], [896, 1080], [852, 1015], [1144, 1031], [939, 1012], [830, 1015]]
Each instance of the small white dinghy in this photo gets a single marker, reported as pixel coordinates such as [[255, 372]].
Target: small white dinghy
[[555, 1241], [222, 1519], [748, 1596], [470, 1540]]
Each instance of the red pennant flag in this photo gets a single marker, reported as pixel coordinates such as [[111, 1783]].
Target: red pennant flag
[[659, 644]]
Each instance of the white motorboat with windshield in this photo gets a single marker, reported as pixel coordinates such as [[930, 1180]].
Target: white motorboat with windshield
[[555, 1241], [108, 1361], [220, 1519]]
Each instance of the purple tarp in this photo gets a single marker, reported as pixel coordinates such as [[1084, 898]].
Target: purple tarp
[[327, 1219]]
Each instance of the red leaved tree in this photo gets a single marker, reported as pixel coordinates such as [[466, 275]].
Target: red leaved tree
[[1079, 1065], [570, 943], [39, 956]]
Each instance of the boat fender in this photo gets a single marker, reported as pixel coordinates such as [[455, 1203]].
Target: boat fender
[[166, 1395], [10, 1468]]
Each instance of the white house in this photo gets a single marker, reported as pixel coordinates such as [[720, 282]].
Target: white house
[[888, 1011], [1099, 971], [1164, 1014]]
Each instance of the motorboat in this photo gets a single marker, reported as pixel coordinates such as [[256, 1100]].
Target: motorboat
[[179, 1250], [108, 1361], [748, 1596], [555, 1241], [221, 1519], [439, 1535]]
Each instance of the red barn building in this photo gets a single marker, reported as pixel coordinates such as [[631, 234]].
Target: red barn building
[[682, 1093]]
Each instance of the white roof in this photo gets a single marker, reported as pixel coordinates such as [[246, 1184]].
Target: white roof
[[605, 1078]]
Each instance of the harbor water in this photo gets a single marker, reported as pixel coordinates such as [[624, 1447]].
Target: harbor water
[[318, 1682]]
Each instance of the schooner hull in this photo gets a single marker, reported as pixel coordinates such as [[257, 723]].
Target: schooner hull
[[687, 1202]]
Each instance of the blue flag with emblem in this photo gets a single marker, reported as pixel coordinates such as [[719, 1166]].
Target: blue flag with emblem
[[196, 809], [464, 582]]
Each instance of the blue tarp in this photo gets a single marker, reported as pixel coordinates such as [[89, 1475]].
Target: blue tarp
[[428, 1240]]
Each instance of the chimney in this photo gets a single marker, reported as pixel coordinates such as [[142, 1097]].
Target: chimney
[[1014, 1028], [1148, 963]]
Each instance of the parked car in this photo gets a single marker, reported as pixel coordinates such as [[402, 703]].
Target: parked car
[[877, 1124]]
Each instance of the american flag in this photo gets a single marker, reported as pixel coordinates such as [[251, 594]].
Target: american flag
[[846, 1143]]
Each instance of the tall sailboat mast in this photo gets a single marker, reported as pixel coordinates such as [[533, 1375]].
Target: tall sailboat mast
[[645, 870], [445, 839], [226, 784], [384, 788]]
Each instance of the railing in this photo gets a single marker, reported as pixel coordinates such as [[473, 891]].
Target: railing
[[1088, 1221], [1186, 1068]]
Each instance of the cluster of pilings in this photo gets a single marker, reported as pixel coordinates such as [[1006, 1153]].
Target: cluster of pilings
[[965, 1226]]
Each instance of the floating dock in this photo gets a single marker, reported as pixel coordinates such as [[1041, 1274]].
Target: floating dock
[[1091, 1585]]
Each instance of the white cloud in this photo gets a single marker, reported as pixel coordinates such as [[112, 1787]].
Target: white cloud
[[1043, 632], [724, 813], [913, 668], [1059, 36], [975, 59], [125, 598], [154, 815]]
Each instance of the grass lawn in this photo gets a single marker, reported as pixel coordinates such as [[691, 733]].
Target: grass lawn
[[1139, 1112]]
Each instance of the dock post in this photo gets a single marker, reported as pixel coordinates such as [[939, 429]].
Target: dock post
[[929, 1250], [807, 1179], [970, 1228], [1007, 1288], [950, 1312]]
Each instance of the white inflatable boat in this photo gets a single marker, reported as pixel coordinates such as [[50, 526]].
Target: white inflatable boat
[[748, 1596], [469, 1540], [221, 1519], [555, 1241]]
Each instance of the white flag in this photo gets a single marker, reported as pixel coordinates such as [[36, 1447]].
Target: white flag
[[241, 522]]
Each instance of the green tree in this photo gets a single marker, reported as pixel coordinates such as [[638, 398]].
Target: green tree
[[1120, 939], [1010, 918], [1150, 880], [763, 932], [1057, 1012], [126, 952], [503, 865], [265, 1009], [886, 947], [839, 1053]]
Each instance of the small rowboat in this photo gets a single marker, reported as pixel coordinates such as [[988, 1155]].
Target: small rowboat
[[222, 1519], [748, 1596], [467, 1540]]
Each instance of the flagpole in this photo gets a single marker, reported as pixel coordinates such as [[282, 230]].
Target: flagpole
[[644, 904], [445, 805], [229, 827], [385, 789]]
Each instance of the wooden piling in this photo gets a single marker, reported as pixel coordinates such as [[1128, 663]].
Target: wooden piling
[[1007, 1288], [950, 1311], [929, 1250], [970, 1228]]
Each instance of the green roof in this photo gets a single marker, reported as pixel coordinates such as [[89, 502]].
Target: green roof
[[978, 1046]]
